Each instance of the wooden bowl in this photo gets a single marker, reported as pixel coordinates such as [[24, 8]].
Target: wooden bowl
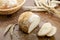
[[12, 10]]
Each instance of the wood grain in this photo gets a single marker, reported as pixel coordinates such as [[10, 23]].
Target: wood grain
[[19, 35]]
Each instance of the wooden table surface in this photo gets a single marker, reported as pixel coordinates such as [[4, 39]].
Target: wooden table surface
[[19, 35]]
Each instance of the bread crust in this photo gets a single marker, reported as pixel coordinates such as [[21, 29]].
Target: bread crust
[[23, 21]]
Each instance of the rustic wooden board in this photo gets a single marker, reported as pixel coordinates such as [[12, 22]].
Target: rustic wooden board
[[19, 35]]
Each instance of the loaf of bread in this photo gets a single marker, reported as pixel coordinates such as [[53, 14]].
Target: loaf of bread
[[8, 3], [28, 21]]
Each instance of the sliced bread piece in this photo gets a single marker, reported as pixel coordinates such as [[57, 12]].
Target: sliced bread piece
[[52, 32], [45, 29]]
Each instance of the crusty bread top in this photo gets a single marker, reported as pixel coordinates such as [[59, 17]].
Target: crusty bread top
[[25, 16], [4, 4]]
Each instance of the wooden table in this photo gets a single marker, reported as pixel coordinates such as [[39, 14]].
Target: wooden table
[[19, 35]]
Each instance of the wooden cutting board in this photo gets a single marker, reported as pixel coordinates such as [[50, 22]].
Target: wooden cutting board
[[19, 35]]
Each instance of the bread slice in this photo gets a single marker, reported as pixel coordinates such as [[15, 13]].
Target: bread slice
[[28, 21], [45, 29], [52, 32]]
